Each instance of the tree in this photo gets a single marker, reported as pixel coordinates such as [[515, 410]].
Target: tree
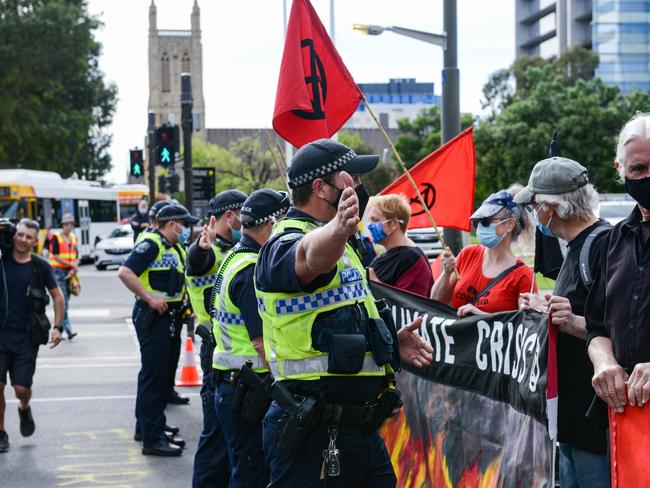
[[54, 105], [557, 95], [383, 174], [244, 165], [421, 135]]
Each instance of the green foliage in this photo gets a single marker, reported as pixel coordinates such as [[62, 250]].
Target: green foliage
[[421, 135], [244, 165], [54, 104], [557, 95], [379, 178]]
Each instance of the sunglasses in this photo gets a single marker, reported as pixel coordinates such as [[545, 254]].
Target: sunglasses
[[487, 221]]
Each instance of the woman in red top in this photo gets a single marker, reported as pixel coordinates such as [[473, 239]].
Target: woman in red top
[[499, 222], [403, 265]]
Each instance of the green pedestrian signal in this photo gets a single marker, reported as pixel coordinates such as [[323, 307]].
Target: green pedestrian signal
[[165, 158], [137, 164]]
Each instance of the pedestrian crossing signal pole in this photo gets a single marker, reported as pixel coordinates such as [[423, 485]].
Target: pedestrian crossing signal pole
[[186, 123], [151, 129]]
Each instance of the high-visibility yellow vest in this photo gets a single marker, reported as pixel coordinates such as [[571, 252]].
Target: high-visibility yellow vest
[[144, 234], [288, 318], [199, 288], [169, 257], [233, 344], [68, 252]]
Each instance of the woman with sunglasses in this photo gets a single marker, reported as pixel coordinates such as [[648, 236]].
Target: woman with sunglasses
[[403, 265], [499, 222]]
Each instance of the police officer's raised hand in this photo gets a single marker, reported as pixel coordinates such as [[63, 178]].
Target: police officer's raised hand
[[347, 215], [55, 337], [208, 234], [157, 303], [412, 348]]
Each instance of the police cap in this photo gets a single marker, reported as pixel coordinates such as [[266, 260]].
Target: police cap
[[226, 200], [155, 208], [264, 205], [325, 156], [175, 212]]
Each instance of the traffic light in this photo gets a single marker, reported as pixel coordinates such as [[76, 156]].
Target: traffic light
[[167, 138], [137, 164], [173, 183], [162, 183]]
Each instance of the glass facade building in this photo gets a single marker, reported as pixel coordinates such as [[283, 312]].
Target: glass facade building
[[621, 38]]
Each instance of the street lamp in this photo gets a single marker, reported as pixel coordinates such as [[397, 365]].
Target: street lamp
[[448, 41]]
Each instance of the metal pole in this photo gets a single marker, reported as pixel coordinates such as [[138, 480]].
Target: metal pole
[[186, 122], [151, 131], [451, 98]]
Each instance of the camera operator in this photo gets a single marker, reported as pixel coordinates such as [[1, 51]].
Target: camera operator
[[27, 326]]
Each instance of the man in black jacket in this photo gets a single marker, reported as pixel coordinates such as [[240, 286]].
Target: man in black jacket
[[25, 272]]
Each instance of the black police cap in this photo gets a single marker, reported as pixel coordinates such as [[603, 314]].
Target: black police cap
[[175, 212], [325, 156], [155, 208], [226, 200], [264, 205]]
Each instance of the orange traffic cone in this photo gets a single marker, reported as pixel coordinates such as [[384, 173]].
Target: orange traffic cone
[[189, 371]]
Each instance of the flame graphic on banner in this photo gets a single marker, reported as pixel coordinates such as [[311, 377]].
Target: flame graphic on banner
[[417, 465]]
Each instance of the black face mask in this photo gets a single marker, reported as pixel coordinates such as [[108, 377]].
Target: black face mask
[[639, 190], [336, 201], [363, 197]]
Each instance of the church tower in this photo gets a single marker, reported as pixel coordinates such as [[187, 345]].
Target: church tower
[[172, 52]]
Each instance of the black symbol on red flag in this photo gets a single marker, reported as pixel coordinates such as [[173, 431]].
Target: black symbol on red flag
[[428, 192], [318, 81]]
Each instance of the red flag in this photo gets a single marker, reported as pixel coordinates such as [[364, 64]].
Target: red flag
[[446, 180], [316, 93]]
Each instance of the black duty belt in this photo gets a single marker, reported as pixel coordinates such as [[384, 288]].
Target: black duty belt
[[232, 375], [337, 413]]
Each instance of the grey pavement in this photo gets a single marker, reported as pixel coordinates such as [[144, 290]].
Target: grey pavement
[[83, 401]]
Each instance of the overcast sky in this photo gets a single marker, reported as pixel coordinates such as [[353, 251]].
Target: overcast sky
[[242, 48]]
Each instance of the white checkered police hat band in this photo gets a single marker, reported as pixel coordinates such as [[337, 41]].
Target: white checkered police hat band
[[331, 167], [261, 220], [232, 206]]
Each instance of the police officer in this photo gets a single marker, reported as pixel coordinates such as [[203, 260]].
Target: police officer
[[316, 309], [154, 271], [211, 466], [153, 223], [238, 333]]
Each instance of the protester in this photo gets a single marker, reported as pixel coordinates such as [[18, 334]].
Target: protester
[[238, 333], [28, 276], [490, 277], [618, 305], [154, 272], [564, 202], [316, 307], [140, 220], [211, 464], [403, 265], [64, 259]]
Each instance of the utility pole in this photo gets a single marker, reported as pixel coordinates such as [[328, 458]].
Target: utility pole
[[451, 98], [151, 130], [186, 123]]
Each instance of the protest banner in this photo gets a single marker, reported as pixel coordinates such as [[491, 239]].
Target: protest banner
[[478, 415], [629, 441]]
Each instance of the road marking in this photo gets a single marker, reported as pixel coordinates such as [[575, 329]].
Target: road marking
[[89, 312], [89, 365], [90, 398]]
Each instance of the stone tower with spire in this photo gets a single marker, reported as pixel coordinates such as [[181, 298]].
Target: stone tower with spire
[[172, 52]]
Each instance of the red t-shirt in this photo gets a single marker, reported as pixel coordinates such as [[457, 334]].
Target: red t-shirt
[[501, 297]]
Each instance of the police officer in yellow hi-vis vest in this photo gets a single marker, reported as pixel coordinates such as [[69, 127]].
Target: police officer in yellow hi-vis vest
[[211, 466], [329, 347], [155, 272], [237, 329]]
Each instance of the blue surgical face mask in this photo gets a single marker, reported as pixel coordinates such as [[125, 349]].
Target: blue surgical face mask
[[543, 228], [184, 236], [235, 233], [377, 232], [487, 235]]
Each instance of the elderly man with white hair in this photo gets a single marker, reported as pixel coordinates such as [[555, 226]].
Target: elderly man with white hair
[[563, 201], [618, 306]]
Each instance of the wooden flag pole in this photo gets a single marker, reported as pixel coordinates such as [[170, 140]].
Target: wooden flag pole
[[407, 173], [281, 170]]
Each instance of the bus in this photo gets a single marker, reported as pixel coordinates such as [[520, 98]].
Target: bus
[[45, 196], [129, 195]]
